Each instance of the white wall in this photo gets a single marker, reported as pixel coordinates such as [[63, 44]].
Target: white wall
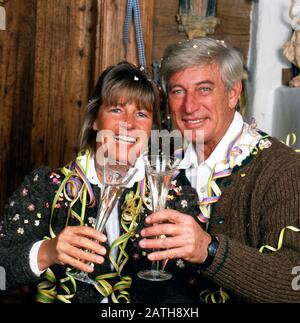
[[270, 30]]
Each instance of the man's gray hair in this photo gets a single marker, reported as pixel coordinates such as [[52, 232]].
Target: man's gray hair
[[202, 51]]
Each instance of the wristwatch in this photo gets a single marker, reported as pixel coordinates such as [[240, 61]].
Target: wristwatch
[[211, 252]]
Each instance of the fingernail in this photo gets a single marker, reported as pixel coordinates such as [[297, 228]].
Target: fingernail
[[151, 257], [148, 219], [143, 232], [142, 243]]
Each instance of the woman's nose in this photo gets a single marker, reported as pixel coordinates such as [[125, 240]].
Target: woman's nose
[[128, 122]]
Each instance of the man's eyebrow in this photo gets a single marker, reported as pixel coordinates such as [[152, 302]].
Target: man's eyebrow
[[171, 86]]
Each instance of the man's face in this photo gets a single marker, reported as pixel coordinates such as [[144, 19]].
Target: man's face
[[199, 101]]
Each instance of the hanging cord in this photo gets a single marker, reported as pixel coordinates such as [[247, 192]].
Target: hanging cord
[[133, 7]]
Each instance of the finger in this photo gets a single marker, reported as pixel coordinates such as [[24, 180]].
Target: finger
[[166, 215], [77, 264], [84, 255], [161, 229], [167, 254], [88, 232], [88, 244], [162, 243]]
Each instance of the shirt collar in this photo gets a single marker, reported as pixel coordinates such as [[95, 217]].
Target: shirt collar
[[218, 155], [93, 178]]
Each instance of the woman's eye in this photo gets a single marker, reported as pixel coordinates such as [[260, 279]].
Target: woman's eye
[[115, 110], [141, 114]]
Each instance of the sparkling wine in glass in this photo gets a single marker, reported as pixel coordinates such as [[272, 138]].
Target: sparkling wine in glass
[[160, 170], [115, 178]]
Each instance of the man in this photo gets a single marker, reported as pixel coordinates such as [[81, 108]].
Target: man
[[248, 184]]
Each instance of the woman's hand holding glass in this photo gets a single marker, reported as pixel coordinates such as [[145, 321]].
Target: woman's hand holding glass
[[75, 246]]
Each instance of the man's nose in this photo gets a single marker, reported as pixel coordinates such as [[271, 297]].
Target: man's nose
[[190, 103]]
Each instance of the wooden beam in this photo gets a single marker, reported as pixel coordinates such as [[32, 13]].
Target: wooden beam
[[16, 94], [109, 49], [63, 53]]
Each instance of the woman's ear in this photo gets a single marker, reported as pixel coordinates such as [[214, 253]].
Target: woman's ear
[[95, 125], [234, 94]]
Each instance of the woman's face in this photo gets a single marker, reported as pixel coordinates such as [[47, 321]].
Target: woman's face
[[123, 131]]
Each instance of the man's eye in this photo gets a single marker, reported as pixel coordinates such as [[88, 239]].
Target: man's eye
[[204, 89], [177, 91]]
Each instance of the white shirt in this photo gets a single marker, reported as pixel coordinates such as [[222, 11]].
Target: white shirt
[[112, 226], [199, 174]]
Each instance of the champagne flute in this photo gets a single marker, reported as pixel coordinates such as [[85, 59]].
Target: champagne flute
[[160, 170], [115, 178]]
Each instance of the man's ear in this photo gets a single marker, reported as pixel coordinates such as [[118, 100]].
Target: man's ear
[[234, 94]]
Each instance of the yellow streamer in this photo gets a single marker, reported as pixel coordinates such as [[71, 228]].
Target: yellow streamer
[[280, 240], [219, 296]]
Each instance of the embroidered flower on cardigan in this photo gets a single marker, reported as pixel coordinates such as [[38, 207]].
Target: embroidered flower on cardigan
[[26, 221], [12, 203], [20, 231], [31, 207], [36, 177], [24, 192], [58, 206], [55, 178], [39, 215], [180, 263], [184, 203], [264, 144], [16, 217], [37, 223], [135, 256], [92, 221], [192, 281]]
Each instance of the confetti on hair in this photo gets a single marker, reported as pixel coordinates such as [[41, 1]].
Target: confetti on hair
[[136, 78]]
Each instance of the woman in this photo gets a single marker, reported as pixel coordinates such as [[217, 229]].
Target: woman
[[124, 106]]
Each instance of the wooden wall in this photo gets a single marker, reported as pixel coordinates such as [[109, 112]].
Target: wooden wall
[[50, 58]]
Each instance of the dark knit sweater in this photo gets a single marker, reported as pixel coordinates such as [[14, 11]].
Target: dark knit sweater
[[258, 200]]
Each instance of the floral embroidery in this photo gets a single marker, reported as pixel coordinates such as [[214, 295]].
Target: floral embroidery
[[26, 221], [92, 221], [36, 177], [58, 206], [136, 256], [192, 281], [24, 192], [20, 231], [16, 217], [184, 203], [37, 223], [31, 207], [12, 203], [39, 215], [264, 144], [180, 263], [55, 178], [170, 197]]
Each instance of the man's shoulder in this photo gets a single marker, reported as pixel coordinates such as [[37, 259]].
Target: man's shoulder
[[278, 155]]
